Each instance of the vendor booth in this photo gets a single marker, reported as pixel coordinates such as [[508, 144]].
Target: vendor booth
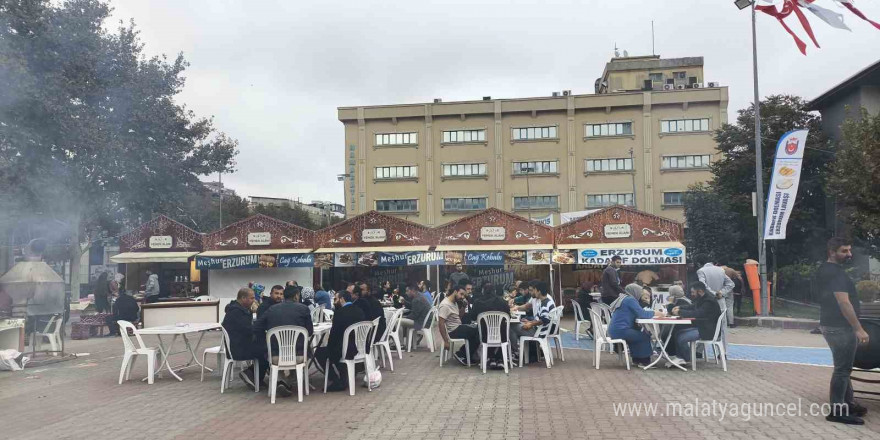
[[650, 248], [164, 247], [496, 246], [258, 250], [374, 248]]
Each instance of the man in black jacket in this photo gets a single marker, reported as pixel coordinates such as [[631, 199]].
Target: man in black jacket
[[490, 301], [705, 311], [276, 296], [611, 288], [346, 314], [372, 309], [238, 323], [288, 312], [125, 309]]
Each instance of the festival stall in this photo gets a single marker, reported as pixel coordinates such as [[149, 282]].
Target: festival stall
[[165, 247], [650, 248], [260, 250], [375, 248], [496, 246]]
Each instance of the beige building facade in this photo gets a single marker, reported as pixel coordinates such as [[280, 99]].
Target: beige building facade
[[641, 140]]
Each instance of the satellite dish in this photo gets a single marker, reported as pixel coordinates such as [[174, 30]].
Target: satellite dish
[[625, 54]]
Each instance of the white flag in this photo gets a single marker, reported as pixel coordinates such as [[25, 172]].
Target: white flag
[[784, 183], [833, 19]]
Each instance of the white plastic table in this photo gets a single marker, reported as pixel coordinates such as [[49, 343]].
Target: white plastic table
[[653, 325], [174, 331]]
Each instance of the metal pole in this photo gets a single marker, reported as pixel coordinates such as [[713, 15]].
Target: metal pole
[[529, 192], [759, 174], [632, 160], [220, 184]]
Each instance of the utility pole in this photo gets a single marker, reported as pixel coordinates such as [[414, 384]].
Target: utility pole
[[632, 161], [220, 184], [759, 174]]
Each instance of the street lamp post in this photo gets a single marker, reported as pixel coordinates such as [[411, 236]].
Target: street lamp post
[[632, 161], [759, 167]]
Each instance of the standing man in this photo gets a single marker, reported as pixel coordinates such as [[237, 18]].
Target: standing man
[[839, 320], [717, 283], [458, 276], [611, 288]]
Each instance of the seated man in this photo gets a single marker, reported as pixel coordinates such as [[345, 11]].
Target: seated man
[[288, 312], [276, 296], [345, 315], [124, 309], [238, 323], [540, 307], [423, 288], [705, 311], [372, 309], [490, 301], [419, 306], [451, 327]]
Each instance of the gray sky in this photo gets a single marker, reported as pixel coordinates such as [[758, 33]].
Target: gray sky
[[273, 72]]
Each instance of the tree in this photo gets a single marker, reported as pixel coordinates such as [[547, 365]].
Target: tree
[[855, 179], [705, 212], [734, 181], [90, 134], [287, 213]]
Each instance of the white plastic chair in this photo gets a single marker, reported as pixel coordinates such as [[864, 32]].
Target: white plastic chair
[[383, 345], [132, 352], [716, 343], [580, 321], [427, 331], [287, 337], [317, 314], [206, 298], [360, 331], [52, 332], [542, 338], [603, 311], [218, 350], [555, 326], [444, 353], [229, 365], [602, 340], [394, 334], [494, 322]]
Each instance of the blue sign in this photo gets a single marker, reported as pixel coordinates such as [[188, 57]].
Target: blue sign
[[589, 253], [673, 252], [489, 258], [410, 258], [228, 262], [296, 260]]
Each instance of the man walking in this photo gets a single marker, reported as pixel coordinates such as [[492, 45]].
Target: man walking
[[839, 320], [611, 288], [717, 283]]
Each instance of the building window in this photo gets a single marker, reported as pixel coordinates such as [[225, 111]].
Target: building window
[[536, 202], [464, 169], [613, 129], [462, 136], [397, 172], [397, 139], [401, 205], [538, 167], [673, 199], [685, 162], [684, 125], [465, 204], [608, 165], [531, 133], [603, 200]]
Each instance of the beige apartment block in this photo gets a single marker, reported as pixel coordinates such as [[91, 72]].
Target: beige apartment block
[[641, 139]]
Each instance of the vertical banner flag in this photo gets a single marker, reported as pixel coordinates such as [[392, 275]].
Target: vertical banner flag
[[784, 183]]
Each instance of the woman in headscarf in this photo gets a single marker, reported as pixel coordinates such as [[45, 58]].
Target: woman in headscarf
[[633, 290], [101, 290], [151, 289], [307, 296], [676, 299]]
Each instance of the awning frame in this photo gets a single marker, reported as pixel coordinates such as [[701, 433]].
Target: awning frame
[[153, 257]]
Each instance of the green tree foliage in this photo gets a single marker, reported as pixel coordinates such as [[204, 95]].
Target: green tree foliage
[[730, 190], [90, 134], [855, 179]]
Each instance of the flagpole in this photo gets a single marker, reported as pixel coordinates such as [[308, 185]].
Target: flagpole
[[759, 173]]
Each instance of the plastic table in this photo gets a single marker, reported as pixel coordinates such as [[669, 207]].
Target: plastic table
[[653, 325], [175, 331]]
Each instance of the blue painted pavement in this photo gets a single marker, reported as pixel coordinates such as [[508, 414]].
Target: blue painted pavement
[[759, 353]]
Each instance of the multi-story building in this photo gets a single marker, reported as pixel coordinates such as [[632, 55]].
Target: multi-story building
[[322, 213], [641, 140], [218, 188]]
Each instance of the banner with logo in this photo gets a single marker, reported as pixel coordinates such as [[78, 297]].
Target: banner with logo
[[484, 258], [296, 260], [235, 262], [784, 183], [411, 258], [546, 220], [638, 256]]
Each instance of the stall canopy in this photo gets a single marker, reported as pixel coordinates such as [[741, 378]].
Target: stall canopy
[[160, 240], [374, 232], [496, 235], [638, 237], [255, 242]]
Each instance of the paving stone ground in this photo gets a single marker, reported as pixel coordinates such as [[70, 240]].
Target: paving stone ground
[[420, 400]]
